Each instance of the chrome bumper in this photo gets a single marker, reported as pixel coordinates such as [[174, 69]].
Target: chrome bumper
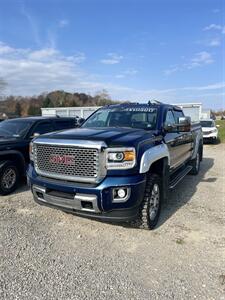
[[77, 203]]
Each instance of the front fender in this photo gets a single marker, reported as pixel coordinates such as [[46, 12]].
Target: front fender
[[153, 154]]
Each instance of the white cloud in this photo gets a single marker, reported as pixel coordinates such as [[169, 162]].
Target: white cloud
[[215, 27], [171, 70], [112, 59], [215, 86], [33, 71], [127, 73], [30, 72], [119, 76], [43, 54], [214, 42], [216, 10], [63, 23], [5, 49], [200, 59]]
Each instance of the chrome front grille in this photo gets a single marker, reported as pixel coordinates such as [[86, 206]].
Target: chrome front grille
[[67, 162]]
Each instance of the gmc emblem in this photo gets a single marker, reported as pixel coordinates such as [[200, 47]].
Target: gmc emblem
[[62, 159]]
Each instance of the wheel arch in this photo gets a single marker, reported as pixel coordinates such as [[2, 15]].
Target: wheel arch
[[154, 155], [14, 156]]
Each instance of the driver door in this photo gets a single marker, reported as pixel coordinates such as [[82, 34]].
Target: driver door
[[173, 139]]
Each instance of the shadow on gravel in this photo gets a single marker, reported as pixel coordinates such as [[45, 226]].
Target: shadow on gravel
[[21, 189], [185, 190]]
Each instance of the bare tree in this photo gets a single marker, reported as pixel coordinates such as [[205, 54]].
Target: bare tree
[[3, 85]]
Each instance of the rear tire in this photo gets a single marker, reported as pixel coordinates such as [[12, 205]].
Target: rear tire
[[151, 205], [9, 178], [195, 163]]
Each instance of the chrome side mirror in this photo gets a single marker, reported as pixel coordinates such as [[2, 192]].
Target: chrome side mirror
[[36, 134], [184, 124]]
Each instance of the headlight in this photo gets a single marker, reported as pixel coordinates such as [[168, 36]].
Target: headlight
[[31, 151], [120, 158]]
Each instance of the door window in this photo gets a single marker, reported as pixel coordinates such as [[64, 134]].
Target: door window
[[43, 127], [170, 120]]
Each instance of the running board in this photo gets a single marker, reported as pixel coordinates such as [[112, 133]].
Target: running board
[[179, 177]]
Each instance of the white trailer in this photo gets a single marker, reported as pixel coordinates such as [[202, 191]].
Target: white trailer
[[206, 114], [193, 110], [82, 112]]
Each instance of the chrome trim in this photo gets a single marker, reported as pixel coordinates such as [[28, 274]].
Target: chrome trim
[[99, 145], [153, 154], [77, 143], [67, 203]]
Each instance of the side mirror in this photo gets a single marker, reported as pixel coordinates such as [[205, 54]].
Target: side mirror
[[81, 121], [184, 124], [218, 126], [36, 134], [169, 128]]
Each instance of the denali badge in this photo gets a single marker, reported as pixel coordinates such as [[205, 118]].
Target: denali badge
[[62, 159]]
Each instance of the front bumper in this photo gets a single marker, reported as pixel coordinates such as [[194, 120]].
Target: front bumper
[[212, 135], [94, 201]]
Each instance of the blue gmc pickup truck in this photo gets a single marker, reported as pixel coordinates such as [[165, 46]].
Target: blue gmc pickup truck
[[119, 165]]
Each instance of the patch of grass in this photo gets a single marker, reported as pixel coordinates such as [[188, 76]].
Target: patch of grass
[[180, 241], [221, 129]]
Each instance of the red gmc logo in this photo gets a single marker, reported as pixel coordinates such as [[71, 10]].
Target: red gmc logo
[[62, 159]]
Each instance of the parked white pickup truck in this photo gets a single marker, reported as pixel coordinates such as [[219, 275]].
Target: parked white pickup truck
[[209, 130]]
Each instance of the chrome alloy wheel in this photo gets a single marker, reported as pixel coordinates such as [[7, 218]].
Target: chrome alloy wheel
[[9, 178], [154, 202]]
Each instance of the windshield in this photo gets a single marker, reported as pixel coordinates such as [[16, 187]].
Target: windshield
[[207, 124], [136, 117], [13, 128]]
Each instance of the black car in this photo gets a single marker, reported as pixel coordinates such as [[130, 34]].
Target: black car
[[15, 136]]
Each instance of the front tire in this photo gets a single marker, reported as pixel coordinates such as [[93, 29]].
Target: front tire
[[9, 178], [151, 204]]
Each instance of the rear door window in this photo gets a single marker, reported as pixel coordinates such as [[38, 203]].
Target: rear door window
[[43, 127], [64, 124]]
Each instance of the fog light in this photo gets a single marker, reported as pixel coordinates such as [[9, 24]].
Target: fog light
[[121, 193]]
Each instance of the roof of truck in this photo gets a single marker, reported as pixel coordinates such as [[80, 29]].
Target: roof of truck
[[39, 118], [150, 104]]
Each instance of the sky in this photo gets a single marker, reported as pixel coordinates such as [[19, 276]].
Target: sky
[[137, 50]]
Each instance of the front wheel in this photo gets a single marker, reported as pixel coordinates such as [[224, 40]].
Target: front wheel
[[151, 204], [9, 178]]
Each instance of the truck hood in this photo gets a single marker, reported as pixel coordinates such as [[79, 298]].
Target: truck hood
[[112, 136], [8, 141]]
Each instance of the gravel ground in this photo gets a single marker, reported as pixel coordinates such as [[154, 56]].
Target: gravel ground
[[48, 254]]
